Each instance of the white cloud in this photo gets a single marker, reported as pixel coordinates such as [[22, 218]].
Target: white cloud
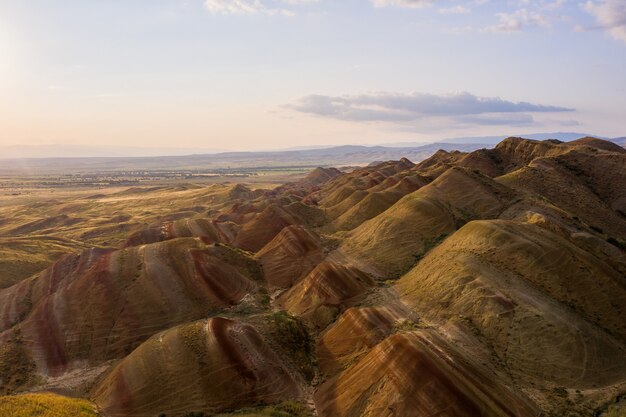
[[251, 6], [518, 21], [610, 15], [234, 6], [413, 4]]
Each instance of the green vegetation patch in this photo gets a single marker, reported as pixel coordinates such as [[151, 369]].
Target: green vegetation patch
[[17, 370], [295, 341]]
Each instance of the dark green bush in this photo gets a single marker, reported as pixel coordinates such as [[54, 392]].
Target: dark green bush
[[294, 339]]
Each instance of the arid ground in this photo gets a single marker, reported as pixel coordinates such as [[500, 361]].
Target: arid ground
[[483, 283]]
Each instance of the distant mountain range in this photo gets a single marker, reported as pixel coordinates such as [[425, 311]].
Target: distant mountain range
[[620, 141], [336, 156], [86, 151], [179, 159]]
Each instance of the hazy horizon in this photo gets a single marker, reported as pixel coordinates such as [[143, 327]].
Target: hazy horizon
[[263, 74], [59, 150]]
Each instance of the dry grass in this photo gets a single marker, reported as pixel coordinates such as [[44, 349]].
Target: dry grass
[[45, 405]]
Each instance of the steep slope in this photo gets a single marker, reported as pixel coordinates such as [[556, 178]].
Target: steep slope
[[292, 254], [354, 333], [263, 227], [588, 187], [394, 240], [132, 294], [510, 154], [353, 185], [597, 143], [209, 230], [210, 366], [551, 313], [325, 291], [320, 176], [438, 163], [417, 374], [371, 205]]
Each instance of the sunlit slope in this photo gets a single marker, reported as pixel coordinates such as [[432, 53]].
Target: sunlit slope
[[22, 257], [551, 313], [45, 405], [395, 239], [110, 217]]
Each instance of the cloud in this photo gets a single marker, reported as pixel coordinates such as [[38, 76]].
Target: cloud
[[388, 107], [251, 6], [610, 15], [518, 21], [234, 6], [412, 4]]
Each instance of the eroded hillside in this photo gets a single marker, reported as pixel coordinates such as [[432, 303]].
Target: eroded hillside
[[490, 283]]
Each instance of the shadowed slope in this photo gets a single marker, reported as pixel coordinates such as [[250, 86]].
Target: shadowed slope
[[209, 366], [589, 187], [368, 207], [597, 143], [132, 294], [209, 230], [510, 154], [417, 375], [439, 162], [319, 176], [292, 254], [355, 197], [329, 288], [355, 332], [261, 229], [371, 177]]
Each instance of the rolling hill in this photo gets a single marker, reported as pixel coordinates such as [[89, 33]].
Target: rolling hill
[[490, 282]]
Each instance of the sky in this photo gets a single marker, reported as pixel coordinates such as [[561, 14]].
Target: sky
[[269, 74]]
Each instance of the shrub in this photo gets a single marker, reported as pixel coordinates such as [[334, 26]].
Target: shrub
[[295, 341]]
